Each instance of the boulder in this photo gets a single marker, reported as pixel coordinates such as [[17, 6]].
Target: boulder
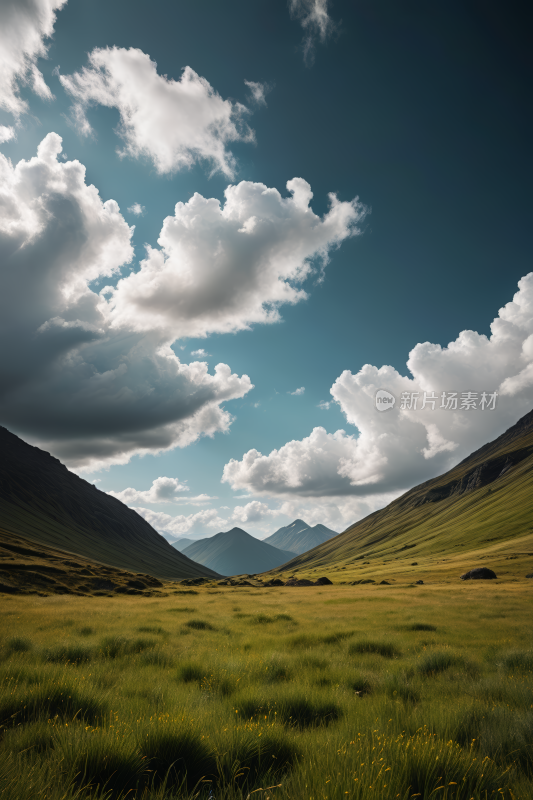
[[420, 583], [383, 583], [479, 573], [323, 582], [274, 582], [299, 582], [530, 575]]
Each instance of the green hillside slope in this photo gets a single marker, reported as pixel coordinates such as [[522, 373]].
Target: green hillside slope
[[481, 508], [41, 500]]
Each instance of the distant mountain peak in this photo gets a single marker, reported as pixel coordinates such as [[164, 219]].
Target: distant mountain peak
[[236, 552], [300, 537]]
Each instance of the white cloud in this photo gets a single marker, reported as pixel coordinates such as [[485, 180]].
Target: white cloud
[[201, 353], [299, 391], [316, 22], [399, 448], [91, 394], [137, 209], [325, 405], [162, 490], [258, 91], [24, 25], [7, 132], [173, 123], [295, 468], [252, 512], [220, 269], [202, 522]]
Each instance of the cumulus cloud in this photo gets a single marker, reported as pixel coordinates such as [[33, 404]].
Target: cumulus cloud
[[173, 123], [221, 268], [137, 209], [24, 25], [258, 91], [201, 353], [162, 490], [299, 391], [205, 522], [316, 22], [252, 512], [295, 468], [325, 405], [419, 437], [90, 393]]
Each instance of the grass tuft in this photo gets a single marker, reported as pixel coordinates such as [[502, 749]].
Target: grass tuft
[[191, 673], [199, 625], [177, 754], [252, 759], [119, 646], [292, 710], [48, 700], [422, 626], [68, 654], [518, 661], [369, 646], [100, 759], [152, 629], [18, 644], [439, 661]]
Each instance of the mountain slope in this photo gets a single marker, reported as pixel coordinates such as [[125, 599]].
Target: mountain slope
[[235, 552], [181, 544], [41, 500], [299, 537], [29, 568], [484, 503]]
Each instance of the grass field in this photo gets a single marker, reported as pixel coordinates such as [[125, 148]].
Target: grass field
[[336, 692]]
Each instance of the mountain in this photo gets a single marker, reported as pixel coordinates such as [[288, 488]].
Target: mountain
[[483, 507], [235, 552], [300, 537], [42, 501], [181, 544]]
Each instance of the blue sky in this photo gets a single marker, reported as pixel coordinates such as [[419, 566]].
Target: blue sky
[[415, 116]]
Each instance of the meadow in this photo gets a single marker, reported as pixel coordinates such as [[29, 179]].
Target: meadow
[[221, 693]]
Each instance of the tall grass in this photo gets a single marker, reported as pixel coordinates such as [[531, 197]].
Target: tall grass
[[358, 703]]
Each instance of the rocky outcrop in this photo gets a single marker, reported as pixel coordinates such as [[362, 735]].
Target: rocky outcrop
[[479, 573]]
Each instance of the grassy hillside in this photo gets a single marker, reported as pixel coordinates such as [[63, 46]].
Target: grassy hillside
[[235, 552], [482, 509], [42, 501], [28, 568]]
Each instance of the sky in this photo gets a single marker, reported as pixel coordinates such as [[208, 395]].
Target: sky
[[229, 230]]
